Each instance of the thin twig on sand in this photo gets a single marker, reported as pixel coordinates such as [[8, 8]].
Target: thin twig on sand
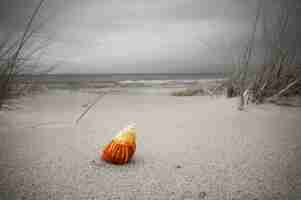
[[90, 106], [45, 124]]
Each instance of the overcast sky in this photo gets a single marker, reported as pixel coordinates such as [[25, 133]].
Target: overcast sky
[[136, 36]]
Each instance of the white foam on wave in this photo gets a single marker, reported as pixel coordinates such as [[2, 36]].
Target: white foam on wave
[[159, 82]]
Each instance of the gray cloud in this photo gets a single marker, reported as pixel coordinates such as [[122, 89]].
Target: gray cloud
[[137, 35]]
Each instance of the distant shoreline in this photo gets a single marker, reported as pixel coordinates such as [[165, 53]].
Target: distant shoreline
[[105, 74], [118, 77], [150, 83]]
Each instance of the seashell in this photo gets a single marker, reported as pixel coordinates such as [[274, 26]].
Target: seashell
[[122, 147]]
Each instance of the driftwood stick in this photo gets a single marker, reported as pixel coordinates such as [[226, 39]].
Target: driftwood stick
[[287, 87], [209, 92], [90, 106], [46, 123], [213, 91], [263, 86]]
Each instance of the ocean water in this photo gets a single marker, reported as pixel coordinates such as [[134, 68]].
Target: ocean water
[[136, 84], [117, 77]]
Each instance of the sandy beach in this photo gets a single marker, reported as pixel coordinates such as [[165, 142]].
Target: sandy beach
[[196, 147], [213, 89]]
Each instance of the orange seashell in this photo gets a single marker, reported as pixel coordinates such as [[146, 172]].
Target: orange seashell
[[122, 147]]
